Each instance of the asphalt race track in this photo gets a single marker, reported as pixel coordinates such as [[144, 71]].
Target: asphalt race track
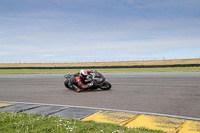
[[164, 93]]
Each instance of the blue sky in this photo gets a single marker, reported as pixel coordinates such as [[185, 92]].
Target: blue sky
[[43, 31]]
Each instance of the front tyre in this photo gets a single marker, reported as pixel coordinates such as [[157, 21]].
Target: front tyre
[[106, 86]]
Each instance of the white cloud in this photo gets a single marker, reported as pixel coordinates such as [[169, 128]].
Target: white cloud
[[117, 29]]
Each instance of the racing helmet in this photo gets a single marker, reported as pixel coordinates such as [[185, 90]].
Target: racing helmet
[[83, 74]]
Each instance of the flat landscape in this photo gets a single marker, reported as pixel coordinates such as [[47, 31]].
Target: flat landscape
[[117, 63], [102, 70]]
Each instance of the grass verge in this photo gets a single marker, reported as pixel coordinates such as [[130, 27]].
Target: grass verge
[[23, 122], [113, 70]]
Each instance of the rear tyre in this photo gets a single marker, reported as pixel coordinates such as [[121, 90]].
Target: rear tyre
[[66, 83], [106, 86]]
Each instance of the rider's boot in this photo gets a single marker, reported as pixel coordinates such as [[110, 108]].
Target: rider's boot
[[76, 88]]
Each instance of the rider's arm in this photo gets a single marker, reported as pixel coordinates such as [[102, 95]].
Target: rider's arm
[[88, 79]]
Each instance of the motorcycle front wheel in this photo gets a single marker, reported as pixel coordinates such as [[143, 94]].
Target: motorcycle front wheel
[[106, 86]]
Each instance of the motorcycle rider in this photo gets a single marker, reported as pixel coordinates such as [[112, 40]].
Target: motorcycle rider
[[81, 80]]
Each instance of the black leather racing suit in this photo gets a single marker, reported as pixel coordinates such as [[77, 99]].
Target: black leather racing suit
[[79, 84]]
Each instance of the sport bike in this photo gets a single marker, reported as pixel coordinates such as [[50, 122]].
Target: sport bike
[[97, 79]]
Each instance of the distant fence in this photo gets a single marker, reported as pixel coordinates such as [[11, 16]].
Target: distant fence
[[99, 67]]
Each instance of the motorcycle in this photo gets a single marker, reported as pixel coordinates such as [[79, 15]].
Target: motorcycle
[[97, 79]]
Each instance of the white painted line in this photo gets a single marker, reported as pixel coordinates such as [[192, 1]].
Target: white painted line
[[128, 111]]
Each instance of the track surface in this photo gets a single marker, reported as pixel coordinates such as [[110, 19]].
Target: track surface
[[164, 93]]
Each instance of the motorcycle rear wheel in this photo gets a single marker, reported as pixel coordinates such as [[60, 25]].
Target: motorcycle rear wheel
[[106, 86], [67, 85]]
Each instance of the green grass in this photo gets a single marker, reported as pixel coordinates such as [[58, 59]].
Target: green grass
[[113, 70], [26, 123]]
